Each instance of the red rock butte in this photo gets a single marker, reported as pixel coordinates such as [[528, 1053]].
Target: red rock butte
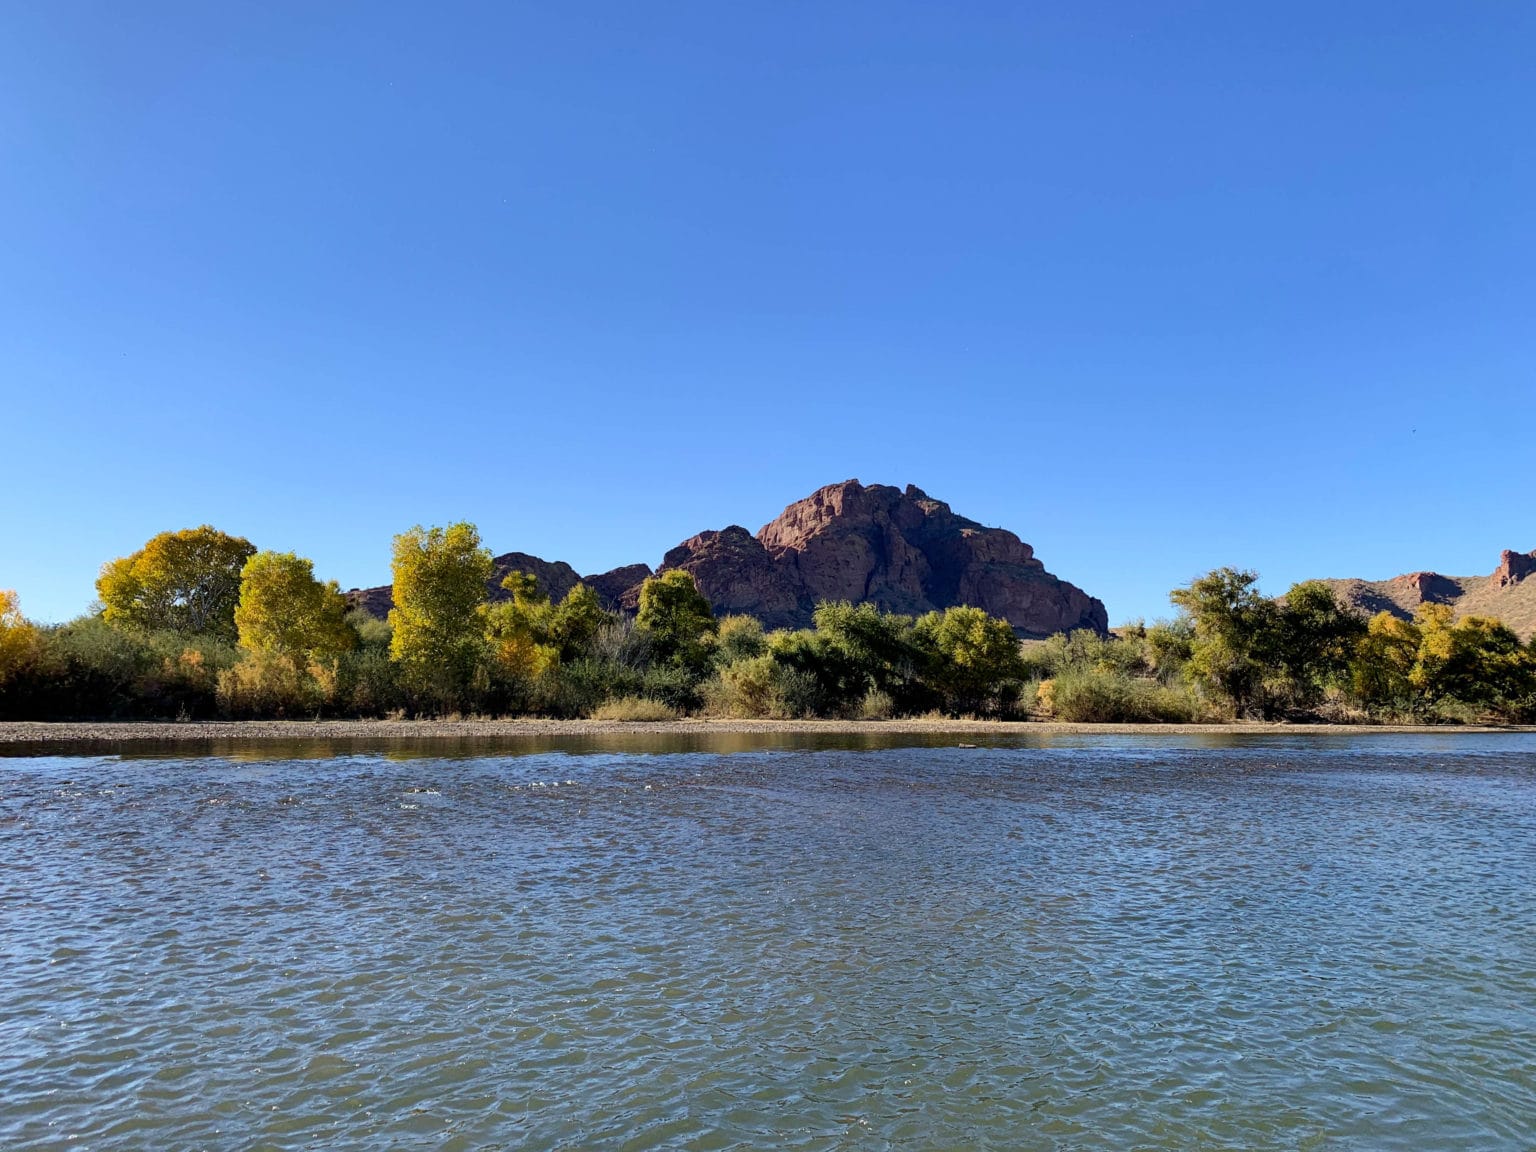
[[900, 550]]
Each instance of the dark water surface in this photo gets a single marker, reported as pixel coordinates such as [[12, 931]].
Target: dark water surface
[[1133, 943]]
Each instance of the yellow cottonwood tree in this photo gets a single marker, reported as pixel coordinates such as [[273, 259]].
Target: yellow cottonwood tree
[[187, 581], [285, 612], [440, 578], [519, 629], [18, 637]]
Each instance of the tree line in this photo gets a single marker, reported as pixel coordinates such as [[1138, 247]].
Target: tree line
[[200, 624]]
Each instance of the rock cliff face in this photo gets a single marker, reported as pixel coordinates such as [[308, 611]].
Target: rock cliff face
[[1509, 594], [737, 575], [900, 550], [612, 585]]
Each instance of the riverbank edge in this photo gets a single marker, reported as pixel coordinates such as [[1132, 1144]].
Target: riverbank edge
[[202, 731]]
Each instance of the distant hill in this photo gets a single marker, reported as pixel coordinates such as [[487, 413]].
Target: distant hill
[[1509, 594], [898, 549]]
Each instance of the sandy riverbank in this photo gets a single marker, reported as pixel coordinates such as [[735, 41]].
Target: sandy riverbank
[[128, 733]]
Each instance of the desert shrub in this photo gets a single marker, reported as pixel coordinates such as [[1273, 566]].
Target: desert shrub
[[877, 705], [632, 709], [1127, 653], [367, 681], [1107, 698], [269, 686], [744, 689], [797, 695], [578, 687], [618, 640], [90, 670]]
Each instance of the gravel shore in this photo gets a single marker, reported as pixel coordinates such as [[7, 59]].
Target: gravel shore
[[384, 731]]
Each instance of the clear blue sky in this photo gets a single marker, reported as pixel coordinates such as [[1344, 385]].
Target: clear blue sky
[[1157, 287]]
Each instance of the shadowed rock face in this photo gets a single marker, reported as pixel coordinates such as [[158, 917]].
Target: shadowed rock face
[[906, 552], [737, 575], [900, 550], [611, 586]]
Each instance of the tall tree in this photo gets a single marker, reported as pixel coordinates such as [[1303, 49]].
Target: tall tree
[[1233, 634], [440, 577], [678, 619], [1381, 671], [974, 659], [285, 613], [187, 581], [1315, 640], [18, 637], [519, 628]]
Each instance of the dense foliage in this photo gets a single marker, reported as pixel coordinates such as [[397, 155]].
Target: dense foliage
[[200, 624], [187, 582]]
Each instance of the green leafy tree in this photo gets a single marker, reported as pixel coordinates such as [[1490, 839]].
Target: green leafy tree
[[879, 646], [1233, 635], [1381, 668], [576, 622], [1474, 661], [974, 660], [187, 582], [674, 613], [438, 639], [814, 676], [1314, 641], [1491, 668]]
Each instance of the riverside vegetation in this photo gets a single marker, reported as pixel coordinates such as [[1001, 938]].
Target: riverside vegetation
[[199, 624]]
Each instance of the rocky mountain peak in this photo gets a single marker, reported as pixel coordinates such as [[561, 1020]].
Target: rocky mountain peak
[[897, 548], [1513, 568]]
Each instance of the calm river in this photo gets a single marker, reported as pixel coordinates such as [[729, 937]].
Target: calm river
[[1139, 943]]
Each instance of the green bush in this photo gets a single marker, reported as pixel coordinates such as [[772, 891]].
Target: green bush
[[740, 638], [744, 690], [1110, 698]]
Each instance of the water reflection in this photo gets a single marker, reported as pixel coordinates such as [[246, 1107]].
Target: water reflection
[[640, 741]]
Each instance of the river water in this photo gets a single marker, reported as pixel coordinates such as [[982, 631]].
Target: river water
[[1135, 943]]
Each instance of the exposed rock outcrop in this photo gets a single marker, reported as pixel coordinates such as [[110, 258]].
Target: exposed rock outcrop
[[612, 586], [1509, 594], [900, 550], [1513, 568], [737, 575]]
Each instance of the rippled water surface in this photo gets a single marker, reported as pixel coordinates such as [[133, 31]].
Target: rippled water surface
[[1143, 944]]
